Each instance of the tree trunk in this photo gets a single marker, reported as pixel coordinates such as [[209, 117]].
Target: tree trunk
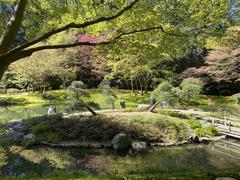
[[154, 106], [146, 88], [91, 110], [141, 87], [13, 26], [3, 68], [132, 86]]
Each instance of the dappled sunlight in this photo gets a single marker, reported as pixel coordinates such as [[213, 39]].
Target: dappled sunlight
[[56, 158]]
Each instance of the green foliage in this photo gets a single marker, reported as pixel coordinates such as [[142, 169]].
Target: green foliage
[[194, 124], [163, 92], [42, 69], [203, 131], [78, 90], [212, 131], [190, 88], [109, 95]]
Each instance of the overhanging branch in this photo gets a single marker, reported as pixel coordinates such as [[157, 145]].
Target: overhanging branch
[[30, 51], [68, 26]]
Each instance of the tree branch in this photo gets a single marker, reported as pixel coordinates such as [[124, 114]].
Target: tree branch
[[68, 26], [13, 26], [30, 51]]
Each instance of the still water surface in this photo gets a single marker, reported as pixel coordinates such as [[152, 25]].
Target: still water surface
[[43, 160]]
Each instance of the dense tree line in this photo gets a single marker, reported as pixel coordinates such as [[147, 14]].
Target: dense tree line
[[130, 49]]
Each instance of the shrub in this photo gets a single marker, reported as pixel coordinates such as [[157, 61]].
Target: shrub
[[210, 130], [109, 95], [203, 131], [78, 90], [194, 124], [163, 92], [189, 88], [52, 81], [200, 132]]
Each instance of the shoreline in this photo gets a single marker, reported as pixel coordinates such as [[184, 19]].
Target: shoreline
[[97, 145]]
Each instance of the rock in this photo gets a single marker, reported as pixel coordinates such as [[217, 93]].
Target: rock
[[204, 140], [143, 107], [139, 146], [157, 144], [194, 139], [29, 137], [121, 141], [181, 143], [8, 132], [169, 144], [16, 126]]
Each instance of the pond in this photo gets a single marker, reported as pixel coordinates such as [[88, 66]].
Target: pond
[[42, 160], [11, 113]]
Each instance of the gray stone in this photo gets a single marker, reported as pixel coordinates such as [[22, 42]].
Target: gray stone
[[139, 146], [16, 126], [169, 144], [204, 140], [181, 143], [143, 107], [28, 137], [121, 141], [8, 132]]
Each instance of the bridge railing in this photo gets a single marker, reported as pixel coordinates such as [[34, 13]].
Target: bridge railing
[[227, 122]]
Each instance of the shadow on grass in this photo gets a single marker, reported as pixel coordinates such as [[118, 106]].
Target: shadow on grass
[[8, 101]]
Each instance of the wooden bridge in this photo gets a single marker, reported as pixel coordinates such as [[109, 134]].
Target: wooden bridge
[[227, 126]]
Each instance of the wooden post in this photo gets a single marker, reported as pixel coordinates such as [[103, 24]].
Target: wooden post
[[213, 122], [229, 123], [225, 121]]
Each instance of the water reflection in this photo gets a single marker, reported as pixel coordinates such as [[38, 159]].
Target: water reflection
[[9, 113], [229, 148], [42, 160]]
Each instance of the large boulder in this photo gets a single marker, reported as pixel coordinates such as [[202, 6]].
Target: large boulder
[[121, 141], [143, 107]]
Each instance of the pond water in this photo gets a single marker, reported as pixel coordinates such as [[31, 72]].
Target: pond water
[[11, 113], [43, 160]]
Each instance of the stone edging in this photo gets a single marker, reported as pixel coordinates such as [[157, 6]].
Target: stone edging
[[108, 145]]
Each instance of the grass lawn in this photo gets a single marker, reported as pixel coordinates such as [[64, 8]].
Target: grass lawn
[[61, 96], [24, 105]]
